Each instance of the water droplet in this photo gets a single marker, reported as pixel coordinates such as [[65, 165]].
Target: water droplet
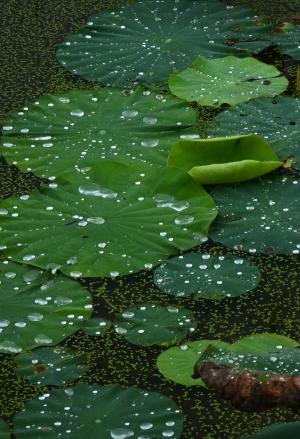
[[128, 114], [77, 113]]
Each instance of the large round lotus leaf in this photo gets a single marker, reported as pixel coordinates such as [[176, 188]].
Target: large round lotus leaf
[[177, 363], [96, 326], [278, 431], [229, 80], [207, 276], [277, 120], [147, 40], [261, 215], [50, 366], [4, 430], [61, 133], [150, 324], [224, 159], [118, 220], [106, 412], [37, 308]]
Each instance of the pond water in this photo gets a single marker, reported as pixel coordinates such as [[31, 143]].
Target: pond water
[[117, 327]]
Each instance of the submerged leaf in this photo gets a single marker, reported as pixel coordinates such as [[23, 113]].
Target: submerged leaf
[[229, 80], [99, 411], [264, 212], [224, 159], [4, 430], [147, 40], [207, 276], [277, 120], [50, 366], [68, 133], [96, 326], [119, 219], [37, 308], [150, 324]]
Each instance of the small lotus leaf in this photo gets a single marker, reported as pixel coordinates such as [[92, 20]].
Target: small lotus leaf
[[50, 366], [69, 132], [93, 411], [289, 430], [147, 40], [119, 219], [207, 276], [259, 216], [288, 40], [38, 308], [96, 326], [277, 120], [224, 159], [177, 363], [229, 80], [150, 324]]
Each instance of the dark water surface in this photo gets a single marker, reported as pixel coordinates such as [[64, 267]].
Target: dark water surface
[[30, 31]]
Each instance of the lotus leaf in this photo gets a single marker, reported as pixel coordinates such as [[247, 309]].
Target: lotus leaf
[[177, 363], [62, 133], [284, 361], [289, 430], [288, 40], [277, 120], [229, 80], [224, 159], [38, 308], [150, 324], [206, 276], [96, 326], [118, 219], [4, 430], [50, 366], [93, 411], [259, 216], [149, 39]]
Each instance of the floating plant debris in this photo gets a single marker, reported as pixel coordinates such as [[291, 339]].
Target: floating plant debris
[[207, 276]]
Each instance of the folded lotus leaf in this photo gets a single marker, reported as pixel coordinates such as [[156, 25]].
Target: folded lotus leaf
[[224, 159]]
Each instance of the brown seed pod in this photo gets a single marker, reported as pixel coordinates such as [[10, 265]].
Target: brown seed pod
[[245, 390]]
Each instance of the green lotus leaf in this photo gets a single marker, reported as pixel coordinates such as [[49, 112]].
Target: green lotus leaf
[[147, 40], [96, 326], [4, 430], [177, 363], [37, 308], [207, 276], [229, 80], [289, 430], [69, 132], [259, 216], [285, 361], [50, 366], [96, 411], [150, 324], [118, 219], [288, 40], [224, 159], [277, 120]]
